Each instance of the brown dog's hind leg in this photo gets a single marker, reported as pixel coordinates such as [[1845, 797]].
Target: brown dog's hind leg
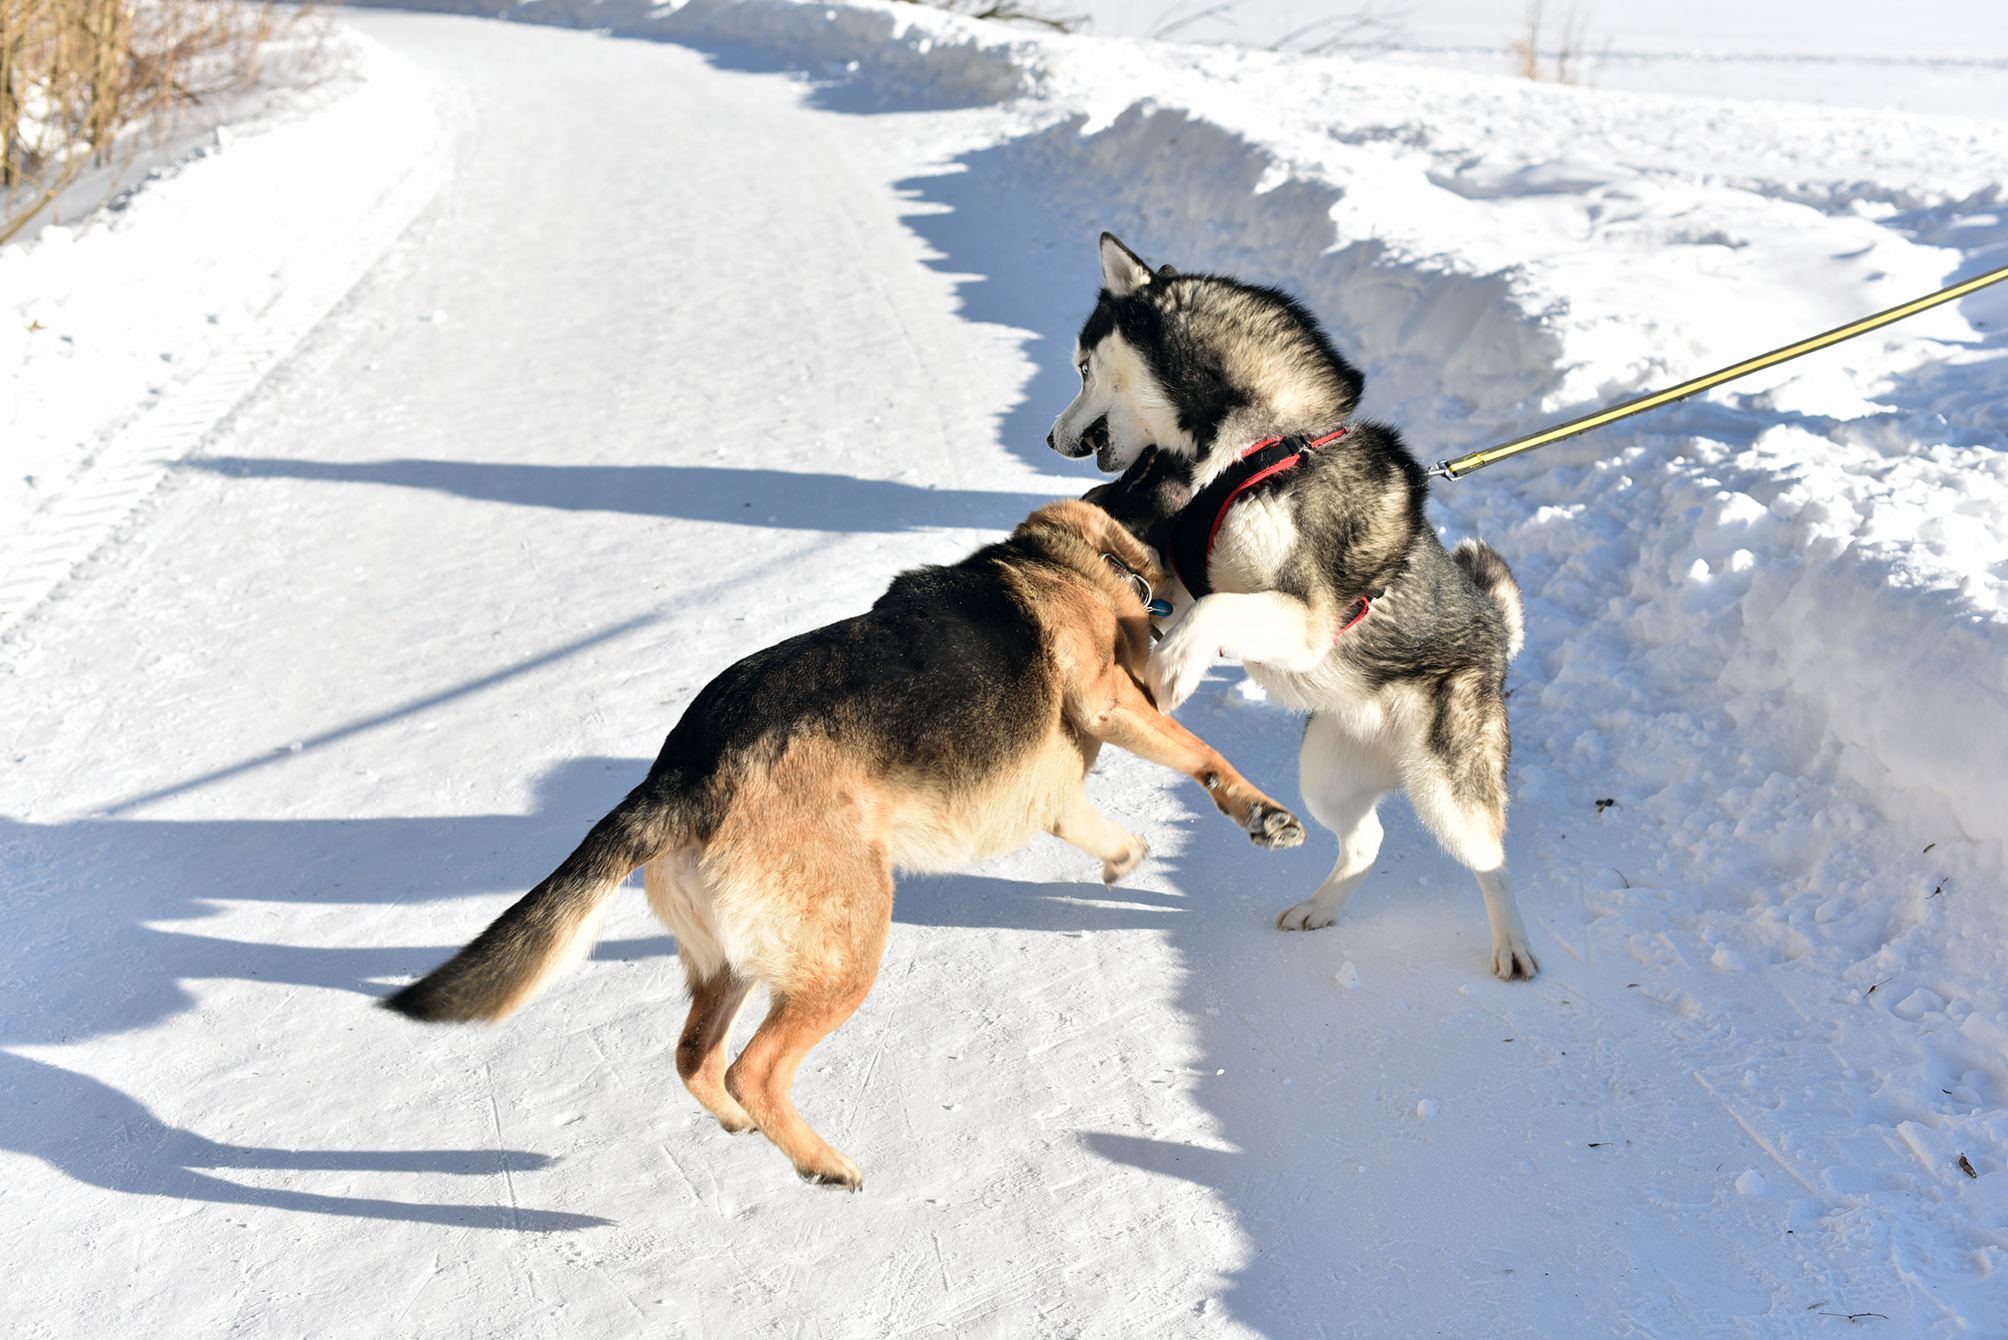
[[843, 897], [764, 1076], [1130, 720], [1086, 827], [700, 1052]]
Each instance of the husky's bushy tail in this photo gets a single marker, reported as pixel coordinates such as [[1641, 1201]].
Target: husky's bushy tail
[[552, 926], [1488, 571]]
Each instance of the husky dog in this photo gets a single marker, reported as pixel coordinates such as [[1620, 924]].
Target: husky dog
[[956, 720], [1299, 547]]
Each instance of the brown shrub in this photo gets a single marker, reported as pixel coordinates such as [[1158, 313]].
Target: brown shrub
[[85, 82]]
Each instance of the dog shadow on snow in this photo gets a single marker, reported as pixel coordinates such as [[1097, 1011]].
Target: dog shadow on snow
[[105, 1138], [787, 499], [109, 891]]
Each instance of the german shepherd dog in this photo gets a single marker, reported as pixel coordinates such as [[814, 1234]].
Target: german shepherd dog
[[956, 720], [1298, 545]]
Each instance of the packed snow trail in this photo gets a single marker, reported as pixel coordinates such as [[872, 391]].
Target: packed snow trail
[[688, 356]]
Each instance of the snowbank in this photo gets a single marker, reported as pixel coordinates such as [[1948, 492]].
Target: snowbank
[[893, 53]]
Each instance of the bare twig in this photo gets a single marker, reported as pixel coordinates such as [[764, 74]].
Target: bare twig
[[1166, 29], [82, 80], [1369, 27], [1006, 11]]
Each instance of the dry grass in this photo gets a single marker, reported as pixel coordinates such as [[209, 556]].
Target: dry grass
[[1568, 55], [84, 82]]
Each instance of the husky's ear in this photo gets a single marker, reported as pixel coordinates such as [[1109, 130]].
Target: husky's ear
[[1165, 271], [1123, 271]]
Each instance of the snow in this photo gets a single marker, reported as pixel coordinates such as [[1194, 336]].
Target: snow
[[561, 370], [1942, 57]]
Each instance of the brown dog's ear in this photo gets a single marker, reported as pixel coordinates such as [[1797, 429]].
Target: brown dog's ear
[[1100, 532], [1123, 271], [1113, 537]]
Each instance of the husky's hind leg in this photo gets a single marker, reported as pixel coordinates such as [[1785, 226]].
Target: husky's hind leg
[[1511, 956], [1458, 789], [1472, 834], [700, 1052], [1343, 781]]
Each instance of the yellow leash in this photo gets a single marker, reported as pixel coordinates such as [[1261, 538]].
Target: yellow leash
[[1478, 460]]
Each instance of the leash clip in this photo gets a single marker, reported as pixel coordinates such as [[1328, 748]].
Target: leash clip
[[1154, 604], [1137, 583]]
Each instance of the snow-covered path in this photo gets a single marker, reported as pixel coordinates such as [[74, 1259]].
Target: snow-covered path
[[686, 357]]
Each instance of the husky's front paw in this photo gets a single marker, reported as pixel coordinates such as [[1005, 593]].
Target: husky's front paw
[[1176, 666], [1115, 870], [1273, 827], [1308, 915]]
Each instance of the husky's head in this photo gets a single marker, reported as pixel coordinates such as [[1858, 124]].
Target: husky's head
[[1122, 407], [1185, 361]]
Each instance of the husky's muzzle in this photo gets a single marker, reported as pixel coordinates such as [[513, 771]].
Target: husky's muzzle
[[1094, 439]]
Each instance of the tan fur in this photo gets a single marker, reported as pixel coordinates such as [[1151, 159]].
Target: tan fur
[[793, 888]]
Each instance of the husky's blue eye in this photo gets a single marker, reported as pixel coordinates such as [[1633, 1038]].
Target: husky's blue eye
[[1160, 607]]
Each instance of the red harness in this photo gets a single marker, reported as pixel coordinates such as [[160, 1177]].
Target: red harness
[[1192, 550]]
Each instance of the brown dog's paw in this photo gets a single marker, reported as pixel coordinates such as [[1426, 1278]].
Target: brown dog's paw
[[842, 1175], [1273, 827], [1115, 870]]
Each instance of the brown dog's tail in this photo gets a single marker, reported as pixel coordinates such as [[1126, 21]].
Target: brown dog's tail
[[549, 928], [1488, 571]]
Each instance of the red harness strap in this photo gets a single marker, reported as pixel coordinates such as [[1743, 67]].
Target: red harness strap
[[1191, 558], [1274, 468], [1366, 608], [1191, 552]]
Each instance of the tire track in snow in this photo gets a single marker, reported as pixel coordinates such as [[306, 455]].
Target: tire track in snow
[[74, 524]]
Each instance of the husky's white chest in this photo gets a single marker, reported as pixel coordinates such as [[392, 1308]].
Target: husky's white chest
[[1253, 545]]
